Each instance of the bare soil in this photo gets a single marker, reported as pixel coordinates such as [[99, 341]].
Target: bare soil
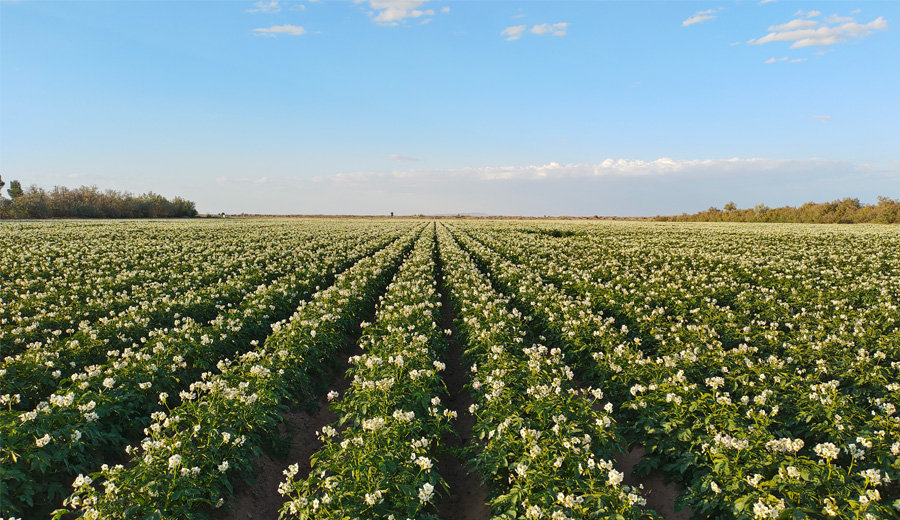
[[261, 500], [660, 494], [467, 498]]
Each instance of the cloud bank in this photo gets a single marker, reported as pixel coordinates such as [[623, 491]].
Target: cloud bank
[[623, 187]]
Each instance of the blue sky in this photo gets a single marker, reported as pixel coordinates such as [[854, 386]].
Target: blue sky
[[497, 107]]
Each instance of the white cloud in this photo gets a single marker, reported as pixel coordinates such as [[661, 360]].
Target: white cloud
[[265, 7], [761, 2], [402, 158], [823, 119], [517, 31], [774, 60], [293, 30], [802, 34], [798, 23], [514, 32], [699, 16], [798, 60], [556, 29], [395, 12], [839, 19], [813, 14], [856, 11], [732, 44]]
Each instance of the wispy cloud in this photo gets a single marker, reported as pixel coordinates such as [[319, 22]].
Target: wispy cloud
[[700, 16], [785, 58], [292, 30], [517, 31], [265, 7], [396, 12], [514, 32], [556, 29], [761, 2], [823, 119], [242, 180], [813, 14], [402, 158], [808, 33]]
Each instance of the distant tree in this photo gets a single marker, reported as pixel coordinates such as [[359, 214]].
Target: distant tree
[[844, 211], [2, 184], [15, 190]]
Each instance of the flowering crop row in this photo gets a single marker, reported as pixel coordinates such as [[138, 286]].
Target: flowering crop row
[[378, 460], [58, 279], [94, 412], [546, 446], [193, 451], [35, 373], [759, 366], [733, 422]]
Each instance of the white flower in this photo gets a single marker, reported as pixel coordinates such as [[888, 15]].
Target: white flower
[[43, 441], [174, 461], [223, 467], [827, 451], [426, 492], [424, 463], [332, 395], [615, 478], [82, 480]]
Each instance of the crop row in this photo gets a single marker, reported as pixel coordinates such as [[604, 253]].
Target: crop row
[[546, 446], [194, 450], [58, 280], [93, 414], [732, 423], [31, 376], [379, 458]]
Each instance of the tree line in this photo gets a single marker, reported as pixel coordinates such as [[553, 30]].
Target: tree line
[[88, 202], [844, 211]]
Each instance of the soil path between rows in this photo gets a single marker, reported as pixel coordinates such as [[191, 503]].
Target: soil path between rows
[[262, 500], [467, 498]]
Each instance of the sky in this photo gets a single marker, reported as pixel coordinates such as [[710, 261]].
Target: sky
[[532, 108]]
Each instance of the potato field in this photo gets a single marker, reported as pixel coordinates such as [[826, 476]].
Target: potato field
[[149, 367]]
